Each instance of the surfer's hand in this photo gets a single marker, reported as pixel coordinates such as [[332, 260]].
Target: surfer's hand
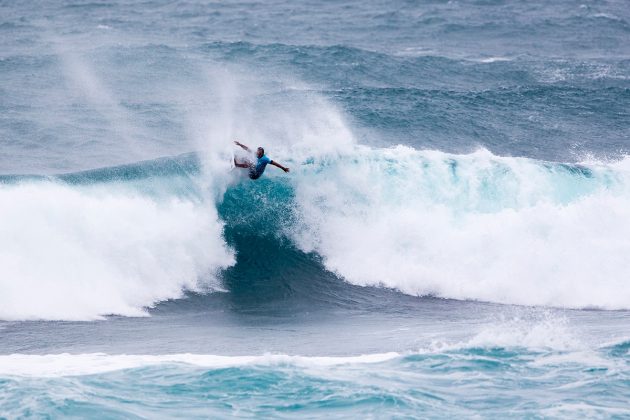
[[285, 169]]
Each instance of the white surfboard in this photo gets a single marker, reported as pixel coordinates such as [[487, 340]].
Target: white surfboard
[[232, 166]]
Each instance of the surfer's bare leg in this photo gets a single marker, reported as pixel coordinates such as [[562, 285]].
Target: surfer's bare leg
[[243, 164], [246, 164]]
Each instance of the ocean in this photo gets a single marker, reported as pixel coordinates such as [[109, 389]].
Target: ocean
[[452, 239]]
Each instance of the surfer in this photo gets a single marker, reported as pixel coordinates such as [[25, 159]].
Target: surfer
[[256, 169]]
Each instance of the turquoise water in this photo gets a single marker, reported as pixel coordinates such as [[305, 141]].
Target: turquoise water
[[451, 241], [460, 383]]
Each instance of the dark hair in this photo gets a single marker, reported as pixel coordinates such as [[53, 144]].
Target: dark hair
[[262, 150]]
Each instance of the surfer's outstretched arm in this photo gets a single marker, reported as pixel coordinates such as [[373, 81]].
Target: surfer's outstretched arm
[[284, 168], [236, 142]]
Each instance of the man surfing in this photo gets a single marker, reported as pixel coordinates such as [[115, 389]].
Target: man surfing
[[256, 169]]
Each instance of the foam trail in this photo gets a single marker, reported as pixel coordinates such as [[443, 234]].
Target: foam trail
[[477, 226], [53, 365], [75, 253]]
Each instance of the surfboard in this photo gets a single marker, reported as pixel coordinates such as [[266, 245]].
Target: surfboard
[[232, 157]]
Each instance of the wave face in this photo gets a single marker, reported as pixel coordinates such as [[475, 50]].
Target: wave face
[[469, 227]]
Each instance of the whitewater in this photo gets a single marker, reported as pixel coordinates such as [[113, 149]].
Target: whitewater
[[452, 238], [468, 227]]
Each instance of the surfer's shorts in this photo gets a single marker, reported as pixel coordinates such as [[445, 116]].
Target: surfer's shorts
[[253, 173]]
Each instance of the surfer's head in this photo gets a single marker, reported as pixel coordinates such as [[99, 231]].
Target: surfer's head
[[260, 152]]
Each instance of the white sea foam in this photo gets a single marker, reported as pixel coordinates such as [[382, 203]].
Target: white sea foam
[[528, 328], [477, 226], [78, 253], [583, 410], [53, 365], [493, 59], [542, 332]]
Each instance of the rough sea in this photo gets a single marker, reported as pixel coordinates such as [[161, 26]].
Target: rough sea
[[452, 241]]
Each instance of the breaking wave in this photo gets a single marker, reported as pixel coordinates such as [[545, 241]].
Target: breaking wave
[[471, 227]]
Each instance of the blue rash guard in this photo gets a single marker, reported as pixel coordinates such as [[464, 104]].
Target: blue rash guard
[[257, 169]]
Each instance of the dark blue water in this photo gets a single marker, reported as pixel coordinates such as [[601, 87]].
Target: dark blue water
[[451, 240]]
